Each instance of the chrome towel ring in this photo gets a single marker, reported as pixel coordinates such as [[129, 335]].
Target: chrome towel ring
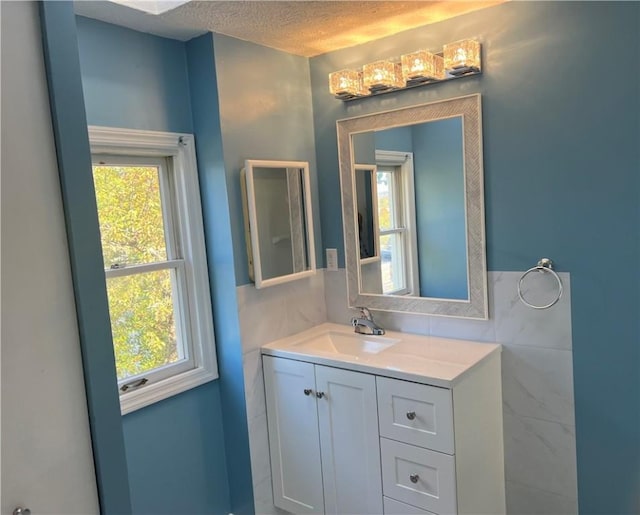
[[545, 265]]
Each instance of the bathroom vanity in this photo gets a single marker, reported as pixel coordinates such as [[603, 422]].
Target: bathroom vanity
[[394, 424]]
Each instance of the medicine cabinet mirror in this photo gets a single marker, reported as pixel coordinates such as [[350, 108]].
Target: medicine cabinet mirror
[[367, 209], [413, 209], [278, 221]]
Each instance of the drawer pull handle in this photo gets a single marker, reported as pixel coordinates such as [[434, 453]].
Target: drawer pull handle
[[411, 415], [414, 478], [308, 391], [319, 395]]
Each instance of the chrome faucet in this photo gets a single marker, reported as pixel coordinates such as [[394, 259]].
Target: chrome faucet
[[364, 324]]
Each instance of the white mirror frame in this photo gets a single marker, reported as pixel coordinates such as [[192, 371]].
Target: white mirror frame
[[469, 107], [251, 222]]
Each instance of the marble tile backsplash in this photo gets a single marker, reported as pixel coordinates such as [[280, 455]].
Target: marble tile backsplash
[[538, 383], [537, 375], [271, 313]]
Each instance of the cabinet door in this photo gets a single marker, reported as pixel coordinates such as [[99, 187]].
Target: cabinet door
[[348, 417], [293, 435]]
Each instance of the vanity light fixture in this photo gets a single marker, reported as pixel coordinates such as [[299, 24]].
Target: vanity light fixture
[[459, 59], [382, 76]]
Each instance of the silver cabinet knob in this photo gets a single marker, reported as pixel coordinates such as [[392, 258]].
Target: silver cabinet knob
[[319, 395], [414, 478], [21, 511], [411, 415], [308, 391]]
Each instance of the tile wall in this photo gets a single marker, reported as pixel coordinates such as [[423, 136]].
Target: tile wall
[[537, 375]]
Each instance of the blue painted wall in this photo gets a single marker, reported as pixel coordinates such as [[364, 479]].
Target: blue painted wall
[[179, 458], [364, 148], [176, 455], [220, 255], [440, 209], [399, 139], [265, 113], [133, 80], [561, 130]]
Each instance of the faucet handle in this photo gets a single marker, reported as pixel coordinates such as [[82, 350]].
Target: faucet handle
[[365, 312]]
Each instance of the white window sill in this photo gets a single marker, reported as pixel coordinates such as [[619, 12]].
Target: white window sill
[[154, 392]]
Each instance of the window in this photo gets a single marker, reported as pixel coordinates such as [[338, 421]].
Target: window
[[392, 231], [396, 211], [155, 267]]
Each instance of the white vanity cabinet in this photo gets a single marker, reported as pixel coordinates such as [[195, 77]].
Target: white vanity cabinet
[[323, 438], [395, 425]]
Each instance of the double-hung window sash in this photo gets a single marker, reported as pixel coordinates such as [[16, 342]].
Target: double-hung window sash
[[393, 233], [144, 268]]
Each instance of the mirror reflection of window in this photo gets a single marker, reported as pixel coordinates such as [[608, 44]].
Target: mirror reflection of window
[[421, 210], [393, 237], [394, 270]]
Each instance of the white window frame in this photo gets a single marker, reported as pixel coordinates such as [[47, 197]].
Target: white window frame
[[187, 223], [405, 200]]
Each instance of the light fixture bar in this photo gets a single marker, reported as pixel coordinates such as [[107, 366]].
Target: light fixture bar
[[459, 59]]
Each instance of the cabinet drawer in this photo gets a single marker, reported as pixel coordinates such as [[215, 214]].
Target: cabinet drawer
[[393, 507], [419, 477], [416, 413]]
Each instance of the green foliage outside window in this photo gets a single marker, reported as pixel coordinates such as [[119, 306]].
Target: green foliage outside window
[[132, 232]]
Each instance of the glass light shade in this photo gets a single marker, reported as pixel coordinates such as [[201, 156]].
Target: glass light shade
[[382, 75], [346, 84], [462, 57], [422, 66]]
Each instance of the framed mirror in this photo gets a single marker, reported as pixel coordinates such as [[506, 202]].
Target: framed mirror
[[423, 204], [278, 221]]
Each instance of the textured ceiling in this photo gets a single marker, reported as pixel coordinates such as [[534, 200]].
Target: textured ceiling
[[304, 28]]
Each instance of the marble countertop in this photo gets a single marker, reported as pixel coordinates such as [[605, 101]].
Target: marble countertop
[[424, 359]]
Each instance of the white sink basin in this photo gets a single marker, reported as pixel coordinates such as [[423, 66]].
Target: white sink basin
[[355, 345], [426, 359]]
